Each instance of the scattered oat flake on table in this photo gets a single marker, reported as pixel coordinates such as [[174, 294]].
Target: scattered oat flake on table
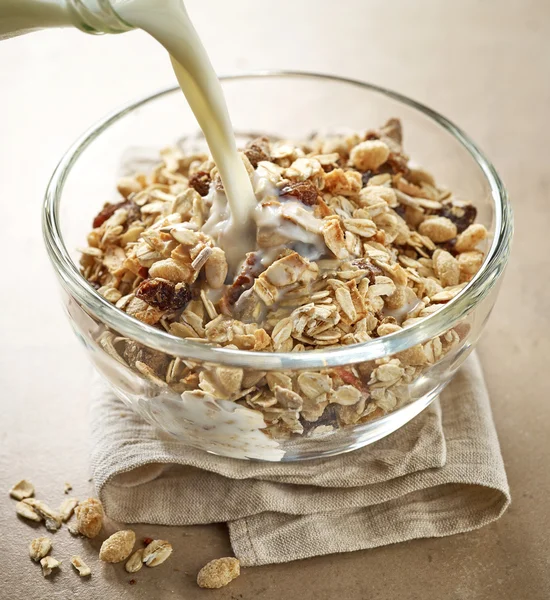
[[82, 568], [51, 518], [68, 488], [156, 552], [66, 508], [25, 511], [135, 562], [219, 572], [22, 489], [89, 518], [118, 546], [49, 563], [39, 547]]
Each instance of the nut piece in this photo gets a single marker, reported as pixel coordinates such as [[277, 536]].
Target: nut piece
[[446, 268], [25, 511], [66, 508], [470, 237], [48, 564], [39, 547], [89, 517], [469, 263], [438, 229], [219, 572], [368, 156], [117, 547], [82, 568], [156, 552], [135, 562], [51, 518], [22, 489]]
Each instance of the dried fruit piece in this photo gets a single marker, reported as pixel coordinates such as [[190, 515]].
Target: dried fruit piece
[[22, 489], [219, 572], [257, 150], [51, 518], [109, 210], [164, 294], [49, 563], [66, 508], [201, 181], [305, 191], [25, 511], [462, 215], [118, 546], [135, 562], [134, 352], [89, 517], [82, 568], [39, 547], [156, 552], [366, 265]]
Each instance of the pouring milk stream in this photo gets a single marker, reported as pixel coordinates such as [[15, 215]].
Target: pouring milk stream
[[168, 22]]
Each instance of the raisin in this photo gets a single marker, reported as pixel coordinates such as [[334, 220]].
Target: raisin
[[147, 540], [134, 212], [304, 191], [365, 177], [106, 213], [251, 268], [462, 216], [134, 352], [257, 150], [365, 264], [201, 182], [163, 294], [449, 246]]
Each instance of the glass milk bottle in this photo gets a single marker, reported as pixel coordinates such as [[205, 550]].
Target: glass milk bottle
[[92, 16]]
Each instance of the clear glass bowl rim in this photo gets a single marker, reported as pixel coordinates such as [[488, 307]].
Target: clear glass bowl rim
[[75, 284]]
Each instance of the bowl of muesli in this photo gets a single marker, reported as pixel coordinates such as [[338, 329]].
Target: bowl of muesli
[[381, 235]]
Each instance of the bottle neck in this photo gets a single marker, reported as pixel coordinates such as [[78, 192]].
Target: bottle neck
[[96, 17]]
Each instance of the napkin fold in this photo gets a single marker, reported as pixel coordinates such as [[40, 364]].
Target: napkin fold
[[440, 474]]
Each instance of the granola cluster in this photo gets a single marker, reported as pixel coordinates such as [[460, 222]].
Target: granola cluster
[[352, 243]]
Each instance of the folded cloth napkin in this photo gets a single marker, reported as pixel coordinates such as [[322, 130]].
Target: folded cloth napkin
[[440, 474]]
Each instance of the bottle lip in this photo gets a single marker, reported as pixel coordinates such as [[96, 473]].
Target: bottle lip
[[97, 17]]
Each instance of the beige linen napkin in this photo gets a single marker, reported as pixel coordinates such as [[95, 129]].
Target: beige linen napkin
[[440, 474]]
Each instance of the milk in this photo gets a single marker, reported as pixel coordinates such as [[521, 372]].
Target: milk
[[169, 24]]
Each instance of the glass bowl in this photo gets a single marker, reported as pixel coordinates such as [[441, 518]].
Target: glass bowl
[[290, 105]]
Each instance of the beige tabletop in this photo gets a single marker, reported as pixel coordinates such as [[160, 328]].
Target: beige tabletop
[[485, 65]]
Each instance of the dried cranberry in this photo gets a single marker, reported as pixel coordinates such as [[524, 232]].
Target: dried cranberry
[[304, 191], [147, 540], [257, 150], [201, 182], [163, 294]]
